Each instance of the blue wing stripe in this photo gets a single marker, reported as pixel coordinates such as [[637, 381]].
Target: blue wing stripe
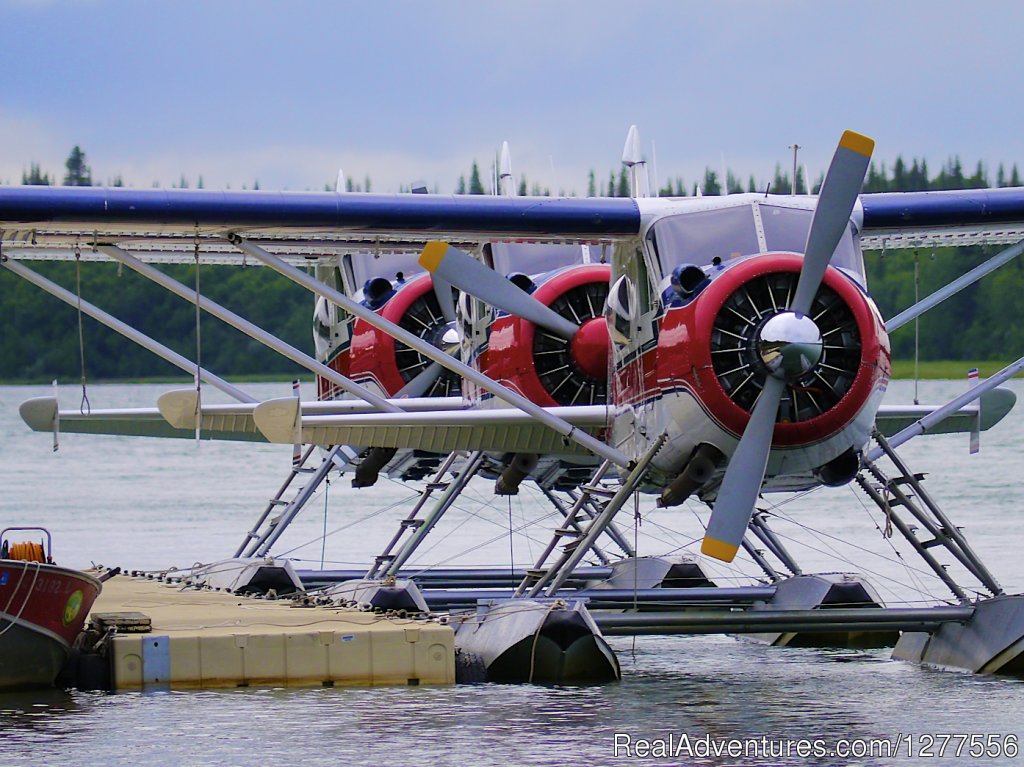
[[320, 210], [965, 207]]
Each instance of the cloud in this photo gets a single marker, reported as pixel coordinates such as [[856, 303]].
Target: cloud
[[26, 139], [408, 92]]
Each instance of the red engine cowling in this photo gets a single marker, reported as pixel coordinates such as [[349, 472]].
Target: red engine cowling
[[545, 368], [374, 358], [711, 345]]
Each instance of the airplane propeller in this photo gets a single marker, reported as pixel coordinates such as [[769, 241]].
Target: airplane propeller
[[443, 291], [789, 345], [458, 268], [421, 382]]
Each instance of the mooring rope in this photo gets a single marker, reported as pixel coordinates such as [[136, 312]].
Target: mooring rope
[[199, 377], [511, 542], [323, 539], [917, 325], [84, 407], [637, 519]]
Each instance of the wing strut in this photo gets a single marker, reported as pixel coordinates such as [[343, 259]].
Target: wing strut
[[954, 287], [251, 330], [936, 416]]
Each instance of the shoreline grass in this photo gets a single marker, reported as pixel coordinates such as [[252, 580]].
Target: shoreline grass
[[947, 370]]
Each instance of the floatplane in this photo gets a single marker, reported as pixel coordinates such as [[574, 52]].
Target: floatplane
[[713, 348]]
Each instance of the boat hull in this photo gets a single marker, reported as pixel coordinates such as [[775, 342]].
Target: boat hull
[[42, 610]]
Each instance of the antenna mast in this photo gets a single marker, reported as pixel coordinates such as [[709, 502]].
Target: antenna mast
[[795, 147]]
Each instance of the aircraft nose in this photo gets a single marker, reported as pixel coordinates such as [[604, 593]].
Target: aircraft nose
[[789, 344]]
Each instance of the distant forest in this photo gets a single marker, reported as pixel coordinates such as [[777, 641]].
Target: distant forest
[[39, 339]]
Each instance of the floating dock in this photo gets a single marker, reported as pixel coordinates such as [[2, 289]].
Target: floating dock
[[196, 639]]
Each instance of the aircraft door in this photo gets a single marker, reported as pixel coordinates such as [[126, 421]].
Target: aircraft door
[[631, 312]]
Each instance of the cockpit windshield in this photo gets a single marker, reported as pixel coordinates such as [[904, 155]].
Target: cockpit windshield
[[539, 258], [366, 266], [786, 229], [703, 236], [698, 238]]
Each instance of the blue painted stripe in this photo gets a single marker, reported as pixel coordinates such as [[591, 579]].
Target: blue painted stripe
[[964, 207], [470, 214]]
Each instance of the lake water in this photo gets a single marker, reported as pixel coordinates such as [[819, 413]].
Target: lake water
[[148, 504]]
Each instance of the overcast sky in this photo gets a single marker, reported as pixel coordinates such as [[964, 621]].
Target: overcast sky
[[287, 92]]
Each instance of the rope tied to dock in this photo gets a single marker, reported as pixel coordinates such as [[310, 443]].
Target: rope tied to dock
[[199, 346], [84, 407]]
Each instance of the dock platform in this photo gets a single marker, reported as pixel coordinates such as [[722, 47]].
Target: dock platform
[[199, 639]]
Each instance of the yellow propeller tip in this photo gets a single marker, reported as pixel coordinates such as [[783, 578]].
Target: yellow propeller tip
[[432, 254], [721, 550], [857, 142]]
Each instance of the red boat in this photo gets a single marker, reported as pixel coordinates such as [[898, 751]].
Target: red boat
[[42, 610]]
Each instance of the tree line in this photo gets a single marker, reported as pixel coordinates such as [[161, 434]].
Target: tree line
[[40, 338], [904, 177]]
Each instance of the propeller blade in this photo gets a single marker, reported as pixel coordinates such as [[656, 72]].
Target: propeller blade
[[421, 382], [443, 291], [460, 269], [838, 195], [735, 504]]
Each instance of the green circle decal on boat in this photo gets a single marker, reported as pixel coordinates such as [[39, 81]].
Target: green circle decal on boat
[[72, 608]]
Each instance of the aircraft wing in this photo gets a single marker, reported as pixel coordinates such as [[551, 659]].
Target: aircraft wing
[[894, 220], [492, 429], [165, 225], [230, 423], [438, 425], [995, 404], [174, 416]]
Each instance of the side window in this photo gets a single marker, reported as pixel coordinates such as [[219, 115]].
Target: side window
[[323, 325], [620, 310], [643, 282], [347, 277], [652, 249]]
